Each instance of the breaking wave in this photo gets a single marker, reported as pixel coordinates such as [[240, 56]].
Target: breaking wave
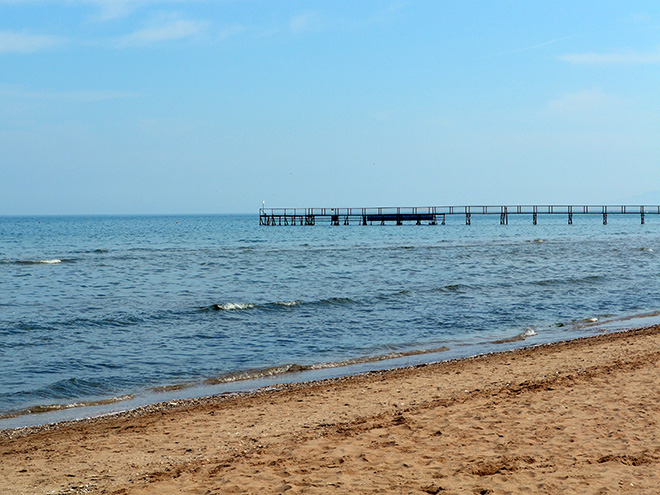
[[298, 368], [230, 306], [53, 261], [243, 306], [44, 408], [530, 332]]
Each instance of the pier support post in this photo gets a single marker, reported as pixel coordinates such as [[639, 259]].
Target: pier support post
[[642, 216], [570, 215], [504, 216], [604, 218], [534, 218], [468, 218]]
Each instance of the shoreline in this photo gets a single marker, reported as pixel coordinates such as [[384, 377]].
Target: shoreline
[[290, 380], [251, 381], [575, 416], [276, 386]]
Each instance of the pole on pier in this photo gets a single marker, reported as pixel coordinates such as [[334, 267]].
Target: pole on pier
[[504, 216]]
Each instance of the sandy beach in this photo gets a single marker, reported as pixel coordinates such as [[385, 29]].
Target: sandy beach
[[574, 417]]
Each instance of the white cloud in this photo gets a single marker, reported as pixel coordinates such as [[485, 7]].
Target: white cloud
[[165, 30], [81, 96], [303, 22], [13, 42], [585, 103], [536, 45], [231, 31], [116, 9], [613, 58]]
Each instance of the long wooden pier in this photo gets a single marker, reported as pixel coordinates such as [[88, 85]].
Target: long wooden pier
[[437, 215]]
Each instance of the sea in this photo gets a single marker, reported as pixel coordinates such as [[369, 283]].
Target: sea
[[100, 314]]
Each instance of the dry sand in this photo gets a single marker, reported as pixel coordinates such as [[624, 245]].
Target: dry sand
[[575, 417]]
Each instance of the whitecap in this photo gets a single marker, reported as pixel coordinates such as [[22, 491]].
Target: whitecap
[[40, 262], [230, 306]]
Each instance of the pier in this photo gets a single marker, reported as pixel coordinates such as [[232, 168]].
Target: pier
[[437, 215]]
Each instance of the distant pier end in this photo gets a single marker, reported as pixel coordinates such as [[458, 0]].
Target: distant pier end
[[437, 215]]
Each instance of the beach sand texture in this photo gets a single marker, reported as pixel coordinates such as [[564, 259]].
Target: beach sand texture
[[574, 417]]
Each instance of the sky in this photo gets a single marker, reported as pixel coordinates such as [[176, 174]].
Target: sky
[[213, 106]]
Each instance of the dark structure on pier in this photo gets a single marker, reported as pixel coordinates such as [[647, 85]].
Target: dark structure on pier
[[437, 215]]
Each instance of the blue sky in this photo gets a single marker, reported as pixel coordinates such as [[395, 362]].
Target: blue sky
[[201, 106]]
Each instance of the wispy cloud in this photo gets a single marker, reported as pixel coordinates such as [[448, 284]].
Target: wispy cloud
[[230, 32], [536, 46], [162, 30], [303, 22], [13, 42], [585, 103], [613, 58], [79, 96], [106, 9], [115, 9]]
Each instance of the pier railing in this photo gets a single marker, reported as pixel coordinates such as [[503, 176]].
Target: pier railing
[[436, 215]]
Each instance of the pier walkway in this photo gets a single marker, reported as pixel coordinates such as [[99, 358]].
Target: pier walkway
[[437, 215]]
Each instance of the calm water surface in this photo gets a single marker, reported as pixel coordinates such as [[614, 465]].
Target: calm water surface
[[115, 310]]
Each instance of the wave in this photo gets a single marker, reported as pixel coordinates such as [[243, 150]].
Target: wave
[[453, 288], [45, 408], [590, 279], [231, 306], [287, 304], [243, 306], [530, 332], [298, 368], [53, 261]]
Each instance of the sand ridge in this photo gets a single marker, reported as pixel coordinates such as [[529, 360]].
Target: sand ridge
[[573, 417]]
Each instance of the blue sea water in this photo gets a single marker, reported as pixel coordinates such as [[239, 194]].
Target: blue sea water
[[101, 310]]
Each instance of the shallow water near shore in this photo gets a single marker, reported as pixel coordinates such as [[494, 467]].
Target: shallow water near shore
[[98, 314]]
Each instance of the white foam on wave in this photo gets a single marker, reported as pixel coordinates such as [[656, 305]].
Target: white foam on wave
[[40, 262], [230, 306], [288, 303], [530, 332]]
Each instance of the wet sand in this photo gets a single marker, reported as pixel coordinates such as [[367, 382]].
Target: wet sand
[[574, 417]]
